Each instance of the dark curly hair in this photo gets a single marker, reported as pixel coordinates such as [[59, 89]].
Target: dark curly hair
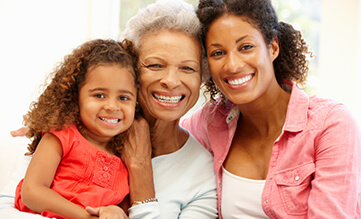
[[291, 62], [58, 107]]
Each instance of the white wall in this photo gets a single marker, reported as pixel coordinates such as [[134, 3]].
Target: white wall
[[340, 53], [35, 35]]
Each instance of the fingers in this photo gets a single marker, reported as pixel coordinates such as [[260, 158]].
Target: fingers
[[92, 211], [107, 212], [20, 132]]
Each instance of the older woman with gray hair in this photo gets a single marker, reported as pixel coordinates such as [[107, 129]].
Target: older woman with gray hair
[[171, 175]]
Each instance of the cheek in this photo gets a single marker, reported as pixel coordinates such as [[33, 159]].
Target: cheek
[[145, 80], [214, 68], [193, 83], [87, 107], [129, 112]]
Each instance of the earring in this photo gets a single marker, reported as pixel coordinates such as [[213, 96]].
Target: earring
[[137, 107]]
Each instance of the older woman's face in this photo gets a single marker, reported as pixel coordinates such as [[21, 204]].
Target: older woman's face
[[170, 74]]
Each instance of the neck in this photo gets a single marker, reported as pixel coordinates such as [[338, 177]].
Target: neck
[[266, 115], [166, 136]]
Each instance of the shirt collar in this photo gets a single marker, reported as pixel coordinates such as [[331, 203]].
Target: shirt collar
[[296, 117], [297, 108], [234, 113]]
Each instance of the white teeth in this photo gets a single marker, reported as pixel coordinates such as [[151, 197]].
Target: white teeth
[[240, 81], [110, 120], [168, 99]]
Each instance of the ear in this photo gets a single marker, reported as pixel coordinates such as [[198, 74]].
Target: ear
[[274, 48]]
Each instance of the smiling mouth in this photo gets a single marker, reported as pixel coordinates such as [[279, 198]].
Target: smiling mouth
[[168, 99], [112, 121], [239, 81]]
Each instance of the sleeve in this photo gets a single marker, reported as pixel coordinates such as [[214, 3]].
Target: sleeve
[[196, 124], [336, 185], [204, 206], [66, 138], [145, 211]]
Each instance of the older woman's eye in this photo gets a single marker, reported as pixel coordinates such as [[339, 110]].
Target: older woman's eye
[[154, 66], [188, 69]]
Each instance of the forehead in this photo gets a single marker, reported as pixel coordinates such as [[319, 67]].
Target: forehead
[[170, 41], [230, 25]]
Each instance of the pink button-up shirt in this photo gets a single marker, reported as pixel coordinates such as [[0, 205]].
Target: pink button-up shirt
[[315, 167]]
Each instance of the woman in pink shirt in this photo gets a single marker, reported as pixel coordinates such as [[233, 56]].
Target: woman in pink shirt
[[278, 152]]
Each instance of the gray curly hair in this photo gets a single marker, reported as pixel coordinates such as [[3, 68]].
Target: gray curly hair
[[166, 15]]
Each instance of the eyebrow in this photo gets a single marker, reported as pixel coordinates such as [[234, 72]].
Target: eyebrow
[[241, 38], [237, 41], [104, 89], [190, 60]]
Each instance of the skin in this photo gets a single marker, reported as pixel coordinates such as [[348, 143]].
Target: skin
[[109, 92], [241, 67]]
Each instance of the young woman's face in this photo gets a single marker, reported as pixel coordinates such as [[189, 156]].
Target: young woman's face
[[170, 74], [107, 101], [239, 60]]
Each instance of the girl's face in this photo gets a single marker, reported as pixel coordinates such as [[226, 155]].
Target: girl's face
[[170, 74], [107, 102], [240, 62]]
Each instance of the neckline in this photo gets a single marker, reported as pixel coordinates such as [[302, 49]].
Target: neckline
[[240, 178]]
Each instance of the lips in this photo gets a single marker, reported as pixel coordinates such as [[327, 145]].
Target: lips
[[112, 121], [238, 80], [168, 99]]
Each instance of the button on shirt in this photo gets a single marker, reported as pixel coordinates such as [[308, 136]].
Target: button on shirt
[[315, 166]]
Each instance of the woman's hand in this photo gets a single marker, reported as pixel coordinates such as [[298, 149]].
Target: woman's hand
[[137, 150], [108, 212], [20, 132], [137, 156]]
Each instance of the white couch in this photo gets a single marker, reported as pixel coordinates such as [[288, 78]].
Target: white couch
[[13, 166], [12, 160]]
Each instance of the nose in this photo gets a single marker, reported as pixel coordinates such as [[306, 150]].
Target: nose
[[111, 105], [234, 63], [170, 78]]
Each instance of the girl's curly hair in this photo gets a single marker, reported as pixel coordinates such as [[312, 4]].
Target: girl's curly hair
[[58, 107], [291, 62]]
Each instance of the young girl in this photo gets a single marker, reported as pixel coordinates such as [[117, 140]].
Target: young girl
[[77, 127]]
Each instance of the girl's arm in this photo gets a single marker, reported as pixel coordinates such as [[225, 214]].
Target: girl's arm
[[36, 193]]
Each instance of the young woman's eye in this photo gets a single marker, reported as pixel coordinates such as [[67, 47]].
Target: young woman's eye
[[216, 53], [246, 47]]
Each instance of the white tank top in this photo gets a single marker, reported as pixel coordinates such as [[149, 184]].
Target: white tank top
[[241, 197]]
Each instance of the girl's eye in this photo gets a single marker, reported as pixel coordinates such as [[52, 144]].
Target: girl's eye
[[100, 96], [124, 98]]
